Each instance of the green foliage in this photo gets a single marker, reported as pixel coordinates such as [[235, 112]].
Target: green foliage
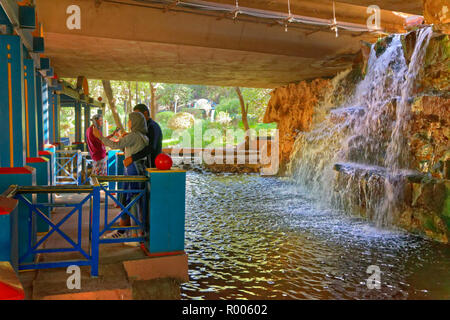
[[129, 93], [168, 92], [163, 117], [230, 106]]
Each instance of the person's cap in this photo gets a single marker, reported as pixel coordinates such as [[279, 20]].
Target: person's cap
[[141, 108]]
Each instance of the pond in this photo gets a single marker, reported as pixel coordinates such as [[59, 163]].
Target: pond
[[253, 237]]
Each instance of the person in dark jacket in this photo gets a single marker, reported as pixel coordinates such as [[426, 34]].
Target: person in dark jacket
[[155, 137]]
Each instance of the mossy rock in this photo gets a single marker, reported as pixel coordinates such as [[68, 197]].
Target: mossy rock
[[436, 71], [382, 44]]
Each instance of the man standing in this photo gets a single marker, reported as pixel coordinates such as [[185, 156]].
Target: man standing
[[96, 148], [155, 137]]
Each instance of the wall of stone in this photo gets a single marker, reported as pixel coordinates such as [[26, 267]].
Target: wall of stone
[[426, 199], [292, 108]]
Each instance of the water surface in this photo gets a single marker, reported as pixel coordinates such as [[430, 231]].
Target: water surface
[[249, 237]]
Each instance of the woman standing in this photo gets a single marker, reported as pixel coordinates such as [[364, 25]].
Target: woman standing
[[131, 143]]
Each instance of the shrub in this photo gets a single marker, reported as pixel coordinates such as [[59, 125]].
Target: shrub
[[231, 106], [163, 117], [182, 120]]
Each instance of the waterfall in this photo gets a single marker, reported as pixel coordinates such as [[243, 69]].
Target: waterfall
[[357, 156]]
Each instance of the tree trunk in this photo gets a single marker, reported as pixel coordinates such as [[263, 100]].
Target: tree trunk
[[244, 111], [154, 103], [112, 103], [137, 93]]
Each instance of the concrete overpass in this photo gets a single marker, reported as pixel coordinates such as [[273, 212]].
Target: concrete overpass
[[214, 42]]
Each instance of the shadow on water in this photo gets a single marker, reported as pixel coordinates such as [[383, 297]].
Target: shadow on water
[[250, 237]]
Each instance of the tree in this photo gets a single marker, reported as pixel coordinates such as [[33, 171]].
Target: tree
[[244, 109], [153, 102], [112, 103]]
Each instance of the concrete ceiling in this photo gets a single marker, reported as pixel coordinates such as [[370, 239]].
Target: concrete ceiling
[[407, 6], [132, 40]]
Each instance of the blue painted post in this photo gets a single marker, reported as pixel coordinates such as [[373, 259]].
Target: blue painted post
[[112, 166], [79, 164], [12, 102], [52, 116], [95, 230], [52, 150], [39, 112], [87, 120], [12, 120], [30, 109], [25, 176], [166, 211], [77, 122], [41, 165], [8, 231], [45, 113], [120, 156], [56, 124]]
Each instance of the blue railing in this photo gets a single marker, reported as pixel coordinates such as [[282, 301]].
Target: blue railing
[[136, 209], [87, 163], [68, 167], [31, 245]]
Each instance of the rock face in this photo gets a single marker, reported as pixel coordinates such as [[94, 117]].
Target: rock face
[[430, 136], [404, 154], [292, 108]]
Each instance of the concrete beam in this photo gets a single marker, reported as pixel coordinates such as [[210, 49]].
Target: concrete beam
[[131, 40]]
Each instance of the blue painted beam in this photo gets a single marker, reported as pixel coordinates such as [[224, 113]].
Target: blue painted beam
[[27, 17], [12, 10]]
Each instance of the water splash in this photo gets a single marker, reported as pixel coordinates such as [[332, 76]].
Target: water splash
[[365, 139]]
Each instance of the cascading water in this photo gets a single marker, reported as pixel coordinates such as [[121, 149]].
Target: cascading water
[[365, 139]]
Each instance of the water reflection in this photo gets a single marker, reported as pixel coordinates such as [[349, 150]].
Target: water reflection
[[250, 237]]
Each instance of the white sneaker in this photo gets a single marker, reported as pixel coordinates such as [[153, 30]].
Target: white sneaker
[[115, 235]]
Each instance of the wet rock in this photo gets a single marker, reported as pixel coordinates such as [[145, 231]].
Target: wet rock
[[435, 74], [382, 44], [292, 108], [429, 135]]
